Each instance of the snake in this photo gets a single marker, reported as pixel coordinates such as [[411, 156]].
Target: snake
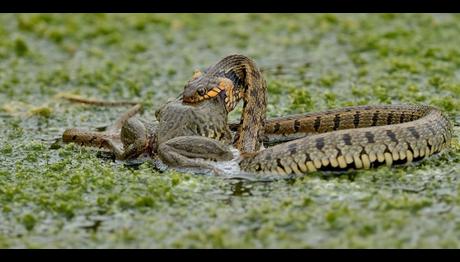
[[234, 78], [358, 137]]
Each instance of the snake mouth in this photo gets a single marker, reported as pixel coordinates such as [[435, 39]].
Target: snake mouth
[[198, 98], [192, 100]]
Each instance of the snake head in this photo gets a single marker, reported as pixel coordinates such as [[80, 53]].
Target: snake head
[[205, 87], [196, 89], [195, 92]]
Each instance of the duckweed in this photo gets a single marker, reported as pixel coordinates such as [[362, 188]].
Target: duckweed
[[65, 196]]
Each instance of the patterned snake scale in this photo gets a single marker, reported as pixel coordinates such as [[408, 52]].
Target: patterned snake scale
[[350, 137]]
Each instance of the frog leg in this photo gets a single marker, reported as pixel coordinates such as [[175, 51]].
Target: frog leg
[[135, 138], [193, 151], [124, 117], [133, 135]]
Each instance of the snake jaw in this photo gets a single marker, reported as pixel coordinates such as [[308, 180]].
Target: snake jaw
[[224, 89], [192, 99], [191, 94]]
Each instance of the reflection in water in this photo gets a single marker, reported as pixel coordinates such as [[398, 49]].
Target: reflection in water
[[241, 188]]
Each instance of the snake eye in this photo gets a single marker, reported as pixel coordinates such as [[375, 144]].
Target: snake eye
[[201, 91]]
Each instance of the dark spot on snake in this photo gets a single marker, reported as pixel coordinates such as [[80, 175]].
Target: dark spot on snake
[[296, 125], [356, 119], [307, 157], [390, 118], [292, 148], [410, 147], [339, 151], [317, 123], [278, 162], [255, 93], [431, 129], [387, 150], [375, 118], [74, 138], [205, 131], [244, 78], [429, 146], [370, 137], [222, 95], [276, 128], [233, 77], [336, 122], [414, 132], [347, 139], [411, 116], [320, 143], [391, 135], [401, 118]]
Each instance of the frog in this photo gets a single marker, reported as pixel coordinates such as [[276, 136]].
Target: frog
[[190, 131], [183, 135]]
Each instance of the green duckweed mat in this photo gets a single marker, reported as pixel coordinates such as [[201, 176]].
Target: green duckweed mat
[[66, 196]]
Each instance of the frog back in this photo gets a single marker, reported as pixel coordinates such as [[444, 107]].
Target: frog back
[[208, 119]]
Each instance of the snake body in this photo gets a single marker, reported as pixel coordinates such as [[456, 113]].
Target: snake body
[[359, 137], [234, 78]]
